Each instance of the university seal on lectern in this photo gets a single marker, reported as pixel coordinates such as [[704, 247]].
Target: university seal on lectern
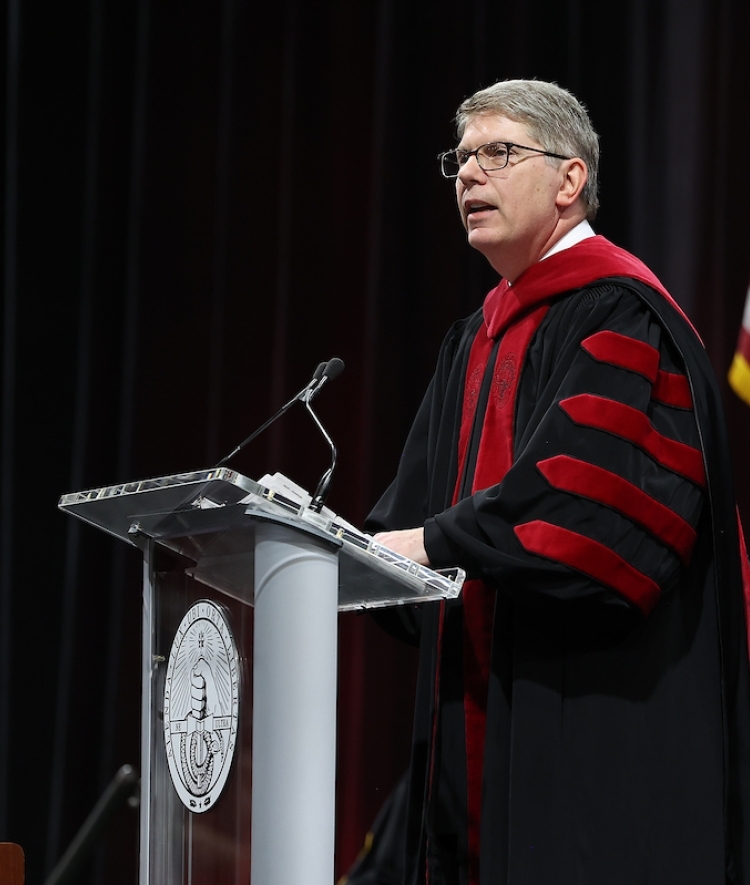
[[201, 705]]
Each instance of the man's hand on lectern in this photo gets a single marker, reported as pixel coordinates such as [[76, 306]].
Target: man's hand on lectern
[[407, 542]]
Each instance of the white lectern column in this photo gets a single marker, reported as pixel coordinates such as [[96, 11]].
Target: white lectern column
[[294, 707]]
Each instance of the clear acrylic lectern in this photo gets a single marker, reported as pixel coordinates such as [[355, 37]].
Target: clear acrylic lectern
[[242, 583]]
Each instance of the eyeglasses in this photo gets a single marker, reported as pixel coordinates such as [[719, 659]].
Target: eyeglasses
[[490, 157]]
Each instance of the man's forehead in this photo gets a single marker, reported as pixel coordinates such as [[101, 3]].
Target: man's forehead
[[492, 127]]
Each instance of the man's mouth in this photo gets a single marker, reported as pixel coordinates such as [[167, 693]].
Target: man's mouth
[[476, 208]]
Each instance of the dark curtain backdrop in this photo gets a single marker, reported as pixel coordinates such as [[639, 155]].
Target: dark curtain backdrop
[[202, 201]]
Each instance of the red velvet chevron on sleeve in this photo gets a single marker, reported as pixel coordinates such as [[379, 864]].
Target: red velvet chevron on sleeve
[[624, 352], [672, 389], [628, 353], [582, 478], [632, 425], [590, 557]]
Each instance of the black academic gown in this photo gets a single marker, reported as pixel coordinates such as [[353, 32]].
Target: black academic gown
[[618, 733]]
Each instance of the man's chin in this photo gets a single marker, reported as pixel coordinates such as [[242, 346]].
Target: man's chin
[[493, 249], [482, 240]]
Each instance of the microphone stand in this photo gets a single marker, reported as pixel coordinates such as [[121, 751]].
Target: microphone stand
[[326, 371], [313, 386], [334, 367], [321, 492]]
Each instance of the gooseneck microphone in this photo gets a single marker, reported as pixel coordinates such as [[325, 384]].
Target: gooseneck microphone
[[308, 391], [333, 369], [325, 372]]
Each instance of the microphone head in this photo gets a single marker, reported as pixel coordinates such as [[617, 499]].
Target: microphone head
[[318, 373], [334, 367]]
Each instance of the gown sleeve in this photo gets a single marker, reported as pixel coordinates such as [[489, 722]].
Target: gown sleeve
[[601, 506]]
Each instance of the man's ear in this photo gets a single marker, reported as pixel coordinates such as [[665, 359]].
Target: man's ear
[[575, 175]]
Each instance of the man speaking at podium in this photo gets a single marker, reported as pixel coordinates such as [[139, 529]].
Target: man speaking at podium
[[582, 709]]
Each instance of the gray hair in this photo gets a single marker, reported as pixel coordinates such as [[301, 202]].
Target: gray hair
[[554, 117]]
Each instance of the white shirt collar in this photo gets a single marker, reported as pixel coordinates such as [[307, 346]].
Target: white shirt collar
[[582, 231]]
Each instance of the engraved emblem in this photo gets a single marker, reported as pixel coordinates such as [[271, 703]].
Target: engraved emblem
[[201, 705], [505, 374]]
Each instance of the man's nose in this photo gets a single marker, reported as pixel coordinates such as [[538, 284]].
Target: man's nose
[[471, 170]]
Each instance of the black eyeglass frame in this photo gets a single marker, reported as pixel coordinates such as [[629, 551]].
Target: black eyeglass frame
[[475, 153]]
